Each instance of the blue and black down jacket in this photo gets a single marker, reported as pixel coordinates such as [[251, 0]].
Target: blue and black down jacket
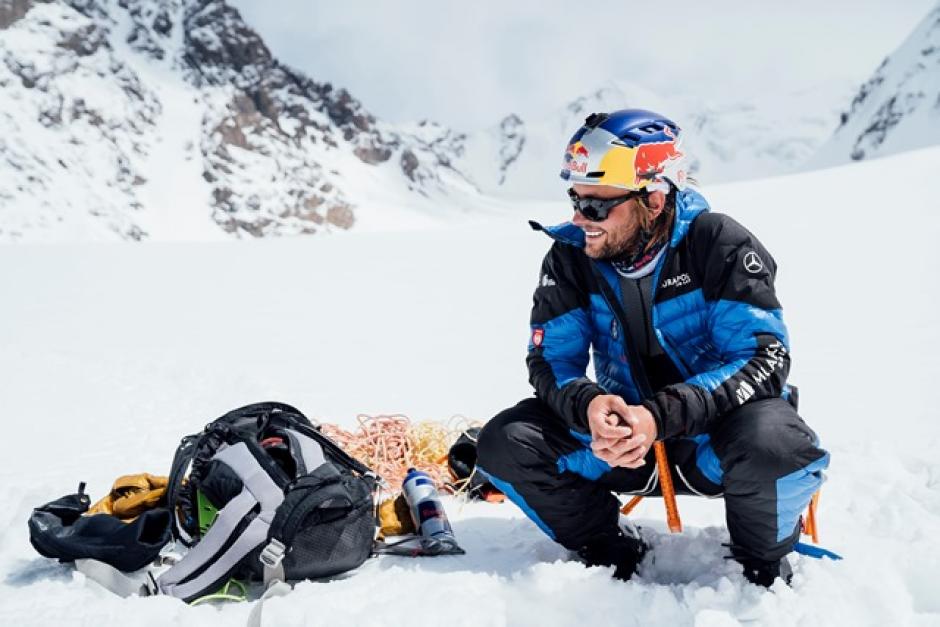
[[713, 311]]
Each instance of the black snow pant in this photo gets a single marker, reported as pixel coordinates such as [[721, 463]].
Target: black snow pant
[[762, 458]]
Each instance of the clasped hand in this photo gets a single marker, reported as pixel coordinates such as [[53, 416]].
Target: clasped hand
[[621, 434]]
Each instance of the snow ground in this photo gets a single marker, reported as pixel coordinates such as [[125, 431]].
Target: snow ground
[[109, 353]]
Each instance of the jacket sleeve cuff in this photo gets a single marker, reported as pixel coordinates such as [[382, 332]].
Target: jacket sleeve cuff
[[667, 426], [588, 395]]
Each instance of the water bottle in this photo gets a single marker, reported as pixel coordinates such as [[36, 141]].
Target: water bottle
[[428, 514]]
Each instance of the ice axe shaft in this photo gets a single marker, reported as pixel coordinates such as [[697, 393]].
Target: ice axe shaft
[[666, 487], [810, 525], [668, 490], [626, 509]]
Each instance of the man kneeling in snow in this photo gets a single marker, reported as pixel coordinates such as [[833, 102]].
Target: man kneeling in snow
[[677, 304]]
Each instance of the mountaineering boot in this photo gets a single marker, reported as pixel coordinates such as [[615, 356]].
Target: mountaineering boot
[[622, 551], [763, 573]]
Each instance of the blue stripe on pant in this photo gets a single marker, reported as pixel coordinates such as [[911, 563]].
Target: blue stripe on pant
[[794, 492], [516, 498]]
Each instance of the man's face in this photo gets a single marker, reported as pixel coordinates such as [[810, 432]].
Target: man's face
[[610, 237]]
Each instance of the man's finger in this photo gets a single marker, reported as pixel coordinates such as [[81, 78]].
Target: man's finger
[[622, 446], [628, 416], [604, 430], [604, 444], [633, 458], [626, 452], [623, 410]]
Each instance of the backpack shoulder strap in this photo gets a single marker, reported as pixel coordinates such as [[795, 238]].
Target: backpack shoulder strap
[[234, 534]]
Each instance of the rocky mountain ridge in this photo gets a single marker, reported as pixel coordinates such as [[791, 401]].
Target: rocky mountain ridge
[[898, 107], [102, 87]]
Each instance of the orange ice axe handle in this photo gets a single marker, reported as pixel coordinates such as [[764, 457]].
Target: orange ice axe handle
[[626, 509], [668, 490]]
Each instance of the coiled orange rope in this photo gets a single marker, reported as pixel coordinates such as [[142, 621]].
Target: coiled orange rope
[[390, 444]]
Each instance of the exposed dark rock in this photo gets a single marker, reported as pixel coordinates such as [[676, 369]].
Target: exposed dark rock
[[141, 40], [135, 233], [218, 43], [222, 197], [409, 163], [84, 41], [512, 131], [373, 154], [51, 115], [162, 23], [341, 216], [13, 10]]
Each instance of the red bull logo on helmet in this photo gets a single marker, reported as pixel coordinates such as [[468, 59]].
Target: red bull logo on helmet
[[651, 159], [578, 149], [576, 157]]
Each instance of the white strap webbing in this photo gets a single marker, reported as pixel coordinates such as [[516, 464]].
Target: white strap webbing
[[120, 583], [276, 589], [258, 487]]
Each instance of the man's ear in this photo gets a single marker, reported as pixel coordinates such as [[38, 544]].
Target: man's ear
[[656, 201]]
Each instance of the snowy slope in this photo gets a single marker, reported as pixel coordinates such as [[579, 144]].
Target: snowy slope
[[108, 354], [898, 108]]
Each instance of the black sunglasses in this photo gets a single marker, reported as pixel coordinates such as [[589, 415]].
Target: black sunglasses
[[597, 209]]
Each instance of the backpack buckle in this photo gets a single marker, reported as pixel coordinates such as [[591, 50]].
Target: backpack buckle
[[273, 553]]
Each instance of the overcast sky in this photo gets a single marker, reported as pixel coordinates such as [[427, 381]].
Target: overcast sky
[[467, 64]]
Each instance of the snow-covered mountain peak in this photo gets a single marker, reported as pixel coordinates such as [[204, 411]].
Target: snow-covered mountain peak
[[898, 108]]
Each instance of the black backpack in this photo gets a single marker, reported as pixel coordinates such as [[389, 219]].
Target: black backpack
[[291, 504]]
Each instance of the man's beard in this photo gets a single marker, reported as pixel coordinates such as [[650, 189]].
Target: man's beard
[[623, 242]]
